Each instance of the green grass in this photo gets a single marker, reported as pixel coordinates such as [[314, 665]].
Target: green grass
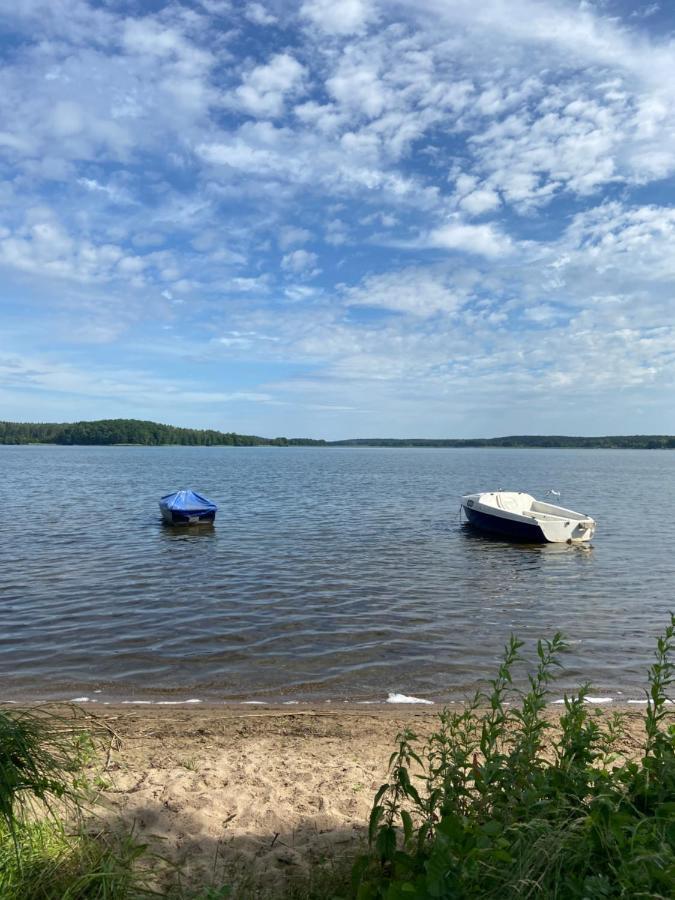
[[53, 864], [42, 756], [45, 851]]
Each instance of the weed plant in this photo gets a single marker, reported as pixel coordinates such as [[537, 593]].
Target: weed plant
[[42, 756], [46, 853], [54, 864], [491, 807]]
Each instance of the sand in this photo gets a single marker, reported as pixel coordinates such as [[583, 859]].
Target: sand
[[254, 796]]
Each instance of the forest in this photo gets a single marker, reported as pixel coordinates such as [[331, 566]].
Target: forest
[[610, 442], [153, 434], [132, 431]]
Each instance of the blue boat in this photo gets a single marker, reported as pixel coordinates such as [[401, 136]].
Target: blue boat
[[187, 508]]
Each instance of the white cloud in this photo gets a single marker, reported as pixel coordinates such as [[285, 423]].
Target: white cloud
[[480, 201], [67, 118], [305, 158], [289, 235], [418, 291], [482, 240], [301, 262], [474, 199], [336, 232], [265, 89], [134, 387], [342, 18], [357, 87], [259, 14], [542, 314]]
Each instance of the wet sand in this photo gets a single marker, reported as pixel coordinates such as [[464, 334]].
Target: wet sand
[[257, 797]]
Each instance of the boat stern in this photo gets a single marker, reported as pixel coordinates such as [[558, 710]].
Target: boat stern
[[558, 530], [583, 530]]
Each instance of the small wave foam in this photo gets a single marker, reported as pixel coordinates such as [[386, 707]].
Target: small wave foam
[[646, 702], [175, 702], [590, 700], [156, 702], [403, 698]]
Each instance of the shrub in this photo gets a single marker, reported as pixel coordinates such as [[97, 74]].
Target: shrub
[[484, 809]]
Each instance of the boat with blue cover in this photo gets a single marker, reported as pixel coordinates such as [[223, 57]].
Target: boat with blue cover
[[187, 508], [517, 515]]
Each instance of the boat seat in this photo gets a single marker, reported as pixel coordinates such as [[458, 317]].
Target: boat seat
[[510, 504]]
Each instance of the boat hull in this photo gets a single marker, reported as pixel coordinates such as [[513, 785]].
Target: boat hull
[[509, 528], [188, 517]]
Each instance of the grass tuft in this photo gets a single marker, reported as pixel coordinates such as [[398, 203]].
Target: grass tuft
[[45, 851], [53, 864], [41, 757]]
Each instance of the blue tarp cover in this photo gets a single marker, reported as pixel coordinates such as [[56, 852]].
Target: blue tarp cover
[[187, 501]]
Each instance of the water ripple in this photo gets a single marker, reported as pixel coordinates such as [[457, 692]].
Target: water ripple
[[330, 574]]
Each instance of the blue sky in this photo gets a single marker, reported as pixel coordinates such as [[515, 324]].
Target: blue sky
[[337, 219]]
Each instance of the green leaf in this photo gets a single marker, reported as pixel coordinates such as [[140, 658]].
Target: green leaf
[[367, 892], [380, 793], [385, 843], [492, 828], [359, 869], [376, 814], [408, 829]]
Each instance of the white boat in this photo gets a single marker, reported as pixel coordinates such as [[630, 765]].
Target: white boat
[[517, 515]]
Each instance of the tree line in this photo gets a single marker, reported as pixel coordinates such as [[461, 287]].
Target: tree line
[[133, 431], [617, 442], [153, 434]]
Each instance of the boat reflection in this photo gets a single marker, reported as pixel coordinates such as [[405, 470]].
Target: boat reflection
[[186, 532]]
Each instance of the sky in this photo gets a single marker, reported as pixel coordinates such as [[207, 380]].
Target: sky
[[439, 218]]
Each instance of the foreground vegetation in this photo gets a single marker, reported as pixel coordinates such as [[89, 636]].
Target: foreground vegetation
[[135, 431], [493, 806], [46, 852], [498, 802]]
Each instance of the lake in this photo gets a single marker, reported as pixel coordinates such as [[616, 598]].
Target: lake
[[331, 574]]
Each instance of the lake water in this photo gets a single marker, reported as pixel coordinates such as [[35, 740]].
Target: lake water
[[331, 574]]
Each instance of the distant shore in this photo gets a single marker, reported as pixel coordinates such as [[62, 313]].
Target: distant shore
[[137, 432]]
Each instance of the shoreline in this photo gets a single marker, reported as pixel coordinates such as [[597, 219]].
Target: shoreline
[[396, 700], [340, 446]]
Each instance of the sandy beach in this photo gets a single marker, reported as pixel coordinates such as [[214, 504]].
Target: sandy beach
[[257, 797]]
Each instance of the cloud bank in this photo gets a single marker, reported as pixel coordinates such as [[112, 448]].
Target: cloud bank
[[332, 219]]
